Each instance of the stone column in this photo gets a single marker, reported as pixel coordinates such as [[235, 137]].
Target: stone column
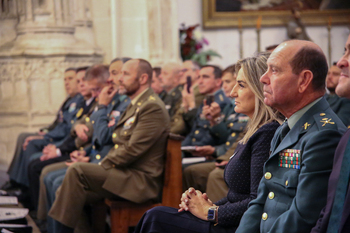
[[33, 62], [148, 31], [163, 31]]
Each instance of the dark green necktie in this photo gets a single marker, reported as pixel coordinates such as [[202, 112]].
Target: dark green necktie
[[285, 130]]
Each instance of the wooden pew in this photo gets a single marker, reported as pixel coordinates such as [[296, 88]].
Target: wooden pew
[[125, 214]]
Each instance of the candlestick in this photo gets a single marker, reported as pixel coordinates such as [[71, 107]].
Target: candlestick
[[329, 41], [240, 31], [258, 22], [258, 26]]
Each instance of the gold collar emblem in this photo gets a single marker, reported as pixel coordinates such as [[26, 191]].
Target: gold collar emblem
[[306, 125], [327, 121]]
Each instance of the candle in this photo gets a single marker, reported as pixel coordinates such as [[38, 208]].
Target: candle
[[258, 23]]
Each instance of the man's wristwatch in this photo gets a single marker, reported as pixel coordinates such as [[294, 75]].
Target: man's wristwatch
[[212, 214]]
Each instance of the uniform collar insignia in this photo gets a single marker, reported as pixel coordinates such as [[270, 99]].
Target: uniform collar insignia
[[306, 125], [327, 121]]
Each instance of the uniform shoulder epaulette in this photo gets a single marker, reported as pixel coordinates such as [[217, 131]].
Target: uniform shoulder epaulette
[[324, 120], [151, 98]]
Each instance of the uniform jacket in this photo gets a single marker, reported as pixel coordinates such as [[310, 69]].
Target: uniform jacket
[[102, 136], [230, 128], [173, 100], [322, 222], [70, 143], [82, 117], [100, 119], [58, 117], [181, 122], [67, 114], [341, 106], [162, 95], [243, 173], [200, 134], [137, 159], [293, 190]]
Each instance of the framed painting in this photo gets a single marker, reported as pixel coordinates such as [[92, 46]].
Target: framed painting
[[269, 13]]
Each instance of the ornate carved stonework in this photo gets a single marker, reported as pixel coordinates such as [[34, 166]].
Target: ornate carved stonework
[[32, 63]]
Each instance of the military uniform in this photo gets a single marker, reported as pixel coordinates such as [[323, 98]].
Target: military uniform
[[200, 134], [131, 170], [22, 137], [19, 173], [97, 151], [68, 145], [162, 95], [181, 122], [231, 127], [294, 187], [341, 106], [173, 100]]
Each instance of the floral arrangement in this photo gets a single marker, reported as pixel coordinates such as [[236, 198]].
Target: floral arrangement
[[192, 44]]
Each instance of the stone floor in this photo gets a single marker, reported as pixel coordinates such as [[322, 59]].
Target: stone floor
[[3, 179]]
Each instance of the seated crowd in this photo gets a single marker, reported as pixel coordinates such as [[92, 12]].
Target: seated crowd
[[269, 132]]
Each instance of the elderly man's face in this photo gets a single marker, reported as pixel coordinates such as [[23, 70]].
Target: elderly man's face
[[280, 83], [343, 88]]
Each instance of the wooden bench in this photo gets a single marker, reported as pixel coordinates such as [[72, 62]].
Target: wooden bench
[[125, 214]]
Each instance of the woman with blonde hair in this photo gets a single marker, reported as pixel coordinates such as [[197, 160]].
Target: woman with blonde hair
[[242, 173]]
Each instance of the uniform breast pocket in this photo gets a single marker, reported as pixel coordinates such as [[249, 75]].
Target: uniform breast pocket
[[126, 134], [128, 128], [289, 182]]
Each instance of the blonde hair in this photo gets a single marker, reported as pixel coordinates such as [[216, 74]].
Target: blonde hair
[[253, 68]]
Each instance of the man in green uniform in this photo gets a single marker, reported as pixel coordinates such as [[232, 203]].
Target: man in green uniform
[[170, 79], [294, 187], [132, 169]]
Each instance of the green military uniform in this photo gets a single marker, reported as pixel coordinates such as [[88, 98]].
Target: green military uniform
[[99, 119], [294, 187], [131, 170], [181, 122], [162, 95], [341, 106], [173, 100]]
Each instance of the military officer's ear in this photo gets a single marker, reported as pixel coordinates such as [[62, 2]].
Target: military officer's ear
[[143, 79], [305, 80]]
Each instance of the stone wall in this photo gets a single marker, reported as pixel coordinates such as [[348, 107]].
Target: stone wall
[[39, 40]]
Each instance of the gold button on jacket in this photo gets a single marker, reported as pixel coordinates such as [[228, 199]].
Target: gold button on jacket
[[264, 216], [268, 175]]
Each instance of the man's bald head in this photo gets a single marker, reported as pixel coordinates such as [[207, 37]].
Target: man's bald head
[[306, 55], [170, 75], [295, 77]]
